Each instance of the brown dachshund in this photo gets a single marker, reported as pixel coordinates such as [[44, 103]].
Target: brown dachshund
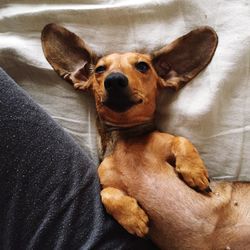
[[141, 167]]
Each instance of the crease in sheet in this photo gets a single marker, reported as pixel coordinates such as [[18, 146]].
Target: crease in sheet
[[67, 119], [24, 9], [229, 132]]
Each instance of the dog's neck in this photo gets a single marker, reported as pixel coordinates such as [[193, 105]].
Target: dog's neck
[[133, 131], [110, 134]]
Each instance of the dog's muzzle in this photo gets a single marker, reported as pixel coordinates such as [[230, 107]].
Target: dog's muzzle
[[119, 97]]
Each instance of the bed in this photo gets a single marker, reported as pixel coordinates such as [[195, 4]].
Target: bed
[[213, 110]]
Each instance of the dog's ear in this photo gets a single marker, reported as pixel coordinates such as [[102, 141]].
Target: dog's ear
[[179, 62], [68, 54]]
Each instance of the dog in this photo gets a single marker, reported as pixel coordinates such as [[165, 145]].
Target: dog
[[145, 174]]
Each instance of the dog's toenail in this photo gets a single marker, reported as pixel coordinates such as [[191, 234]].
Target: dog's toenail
[[208, 190]]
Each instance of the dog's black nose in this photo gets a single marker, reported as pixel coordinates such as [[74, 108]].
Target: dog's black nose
[[118, 94], [116, 82]]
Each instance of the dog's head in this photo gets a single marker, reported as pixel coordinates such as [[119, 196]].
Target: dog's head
[[125, 85]]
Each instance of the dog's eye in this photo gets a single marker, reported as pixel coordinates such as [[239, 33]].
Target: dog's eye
[[142, 67], [100, 69]]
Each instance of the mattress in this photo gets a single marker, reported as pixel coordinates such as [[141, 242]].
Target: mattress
[[212, 111]]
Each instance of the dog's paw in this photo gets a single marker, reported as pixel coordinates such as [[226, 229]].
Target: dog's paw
[[194, 173], [136, 221], [125, 210]]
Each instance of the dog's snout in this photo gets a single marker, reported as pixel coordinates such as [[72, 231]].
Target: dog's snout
[[115, 81], [119, 97]]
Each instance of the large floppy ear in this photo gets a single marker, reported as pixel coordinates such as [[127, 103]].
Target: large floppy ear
[[67, 53], [180, 61]]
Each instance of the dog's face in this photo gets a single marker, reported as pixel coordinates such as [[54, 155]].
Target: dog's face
[[125, 85], [125, 88]]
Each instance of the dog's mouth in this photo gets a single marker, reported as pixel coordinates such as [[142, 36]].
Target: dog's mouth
[[121, 103]]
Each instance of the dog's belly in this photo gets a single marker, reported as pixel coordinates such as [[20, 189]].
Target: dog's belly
[[234, 227], [171, 216], [147, 177]]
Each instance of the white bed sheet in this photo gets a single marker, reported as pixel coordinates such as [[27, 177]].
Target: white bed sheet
[[213, 110]]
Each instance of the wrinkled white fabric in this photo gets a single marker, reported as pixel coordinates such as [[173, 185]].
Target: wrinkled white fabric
[[213, 110]]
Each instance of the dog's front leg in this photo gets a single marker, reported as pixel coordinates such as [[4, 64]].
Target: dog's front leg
[[122, 207], [189, 164], [125, 210]]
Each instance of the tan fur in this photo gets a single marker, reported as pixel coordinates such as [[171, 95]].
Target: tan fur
[[141, 167]]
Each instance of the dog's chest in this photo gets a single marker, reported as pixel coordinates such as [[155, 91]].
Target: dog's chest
[[138, 160]]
